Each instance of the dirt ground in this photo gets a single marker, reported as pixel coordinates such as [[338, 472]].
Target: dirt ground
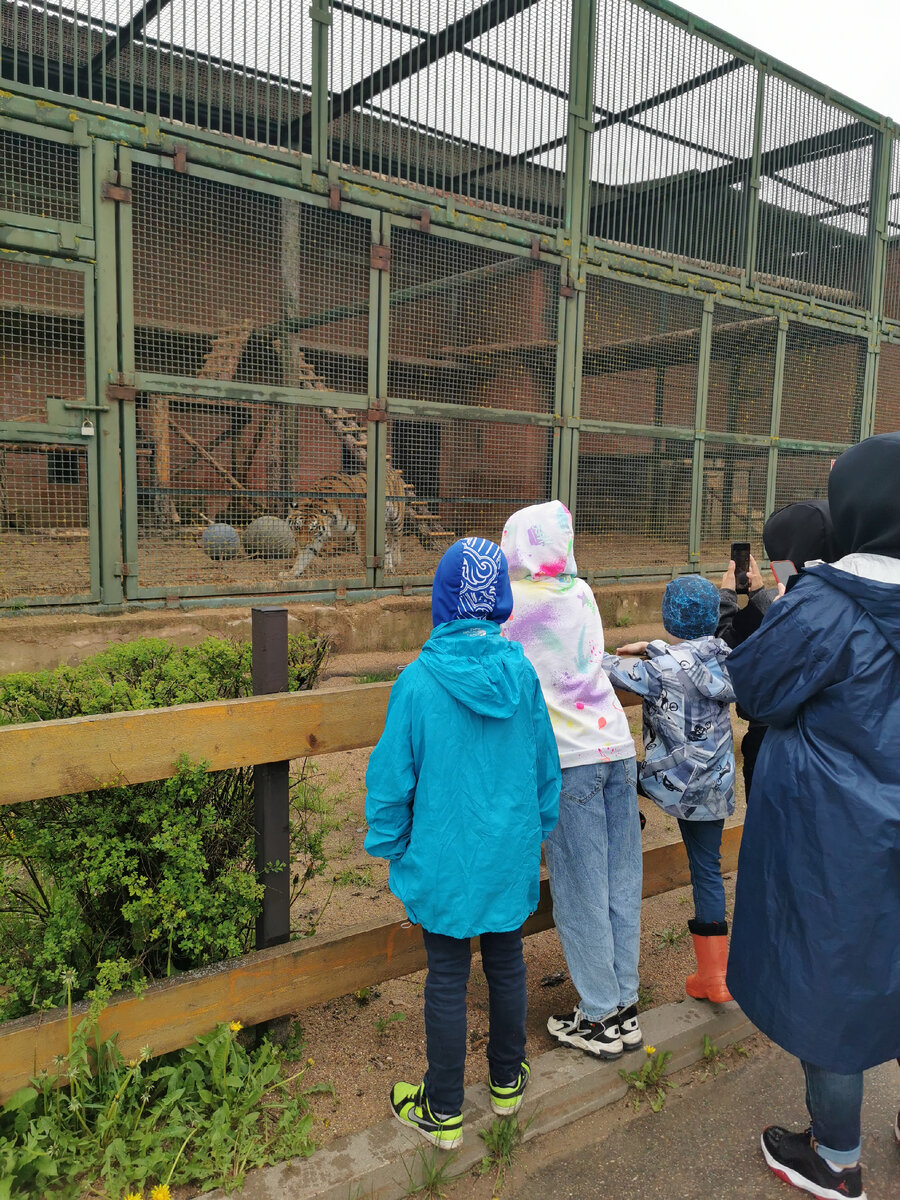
[[362, 1043]]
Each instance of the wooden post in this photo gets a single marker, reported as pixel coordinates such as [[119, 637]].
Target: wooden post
[[272, 784]]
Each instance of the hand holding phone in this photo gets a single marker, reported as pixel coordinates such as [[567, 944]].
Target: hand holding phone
[[783, 569], [740, 556]]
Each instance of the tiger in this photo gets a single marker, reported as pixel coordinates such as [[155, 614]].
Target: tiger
[[340, 507]]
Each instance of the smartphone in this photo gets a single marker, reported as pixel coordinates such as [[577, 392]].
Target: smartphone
[[740, 554], [783, 569]]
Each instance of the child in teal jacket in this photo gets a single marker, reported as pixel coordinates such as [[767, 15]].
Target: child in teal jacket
[[463, 787]]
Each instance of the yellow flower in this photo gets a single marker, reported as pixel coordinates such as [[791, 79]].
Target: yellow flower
[[161, 1193], [310, 1062], [235, 1027], [651, 1049], [134, 1196]]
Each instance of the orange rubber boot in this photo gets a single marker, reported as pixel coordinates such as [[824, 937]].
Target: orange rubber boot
[[711, 950]]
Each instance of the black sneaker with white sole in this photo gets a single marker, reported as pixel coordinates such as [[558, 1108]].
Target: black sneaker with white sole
[[629, 1029], [600, 1038], [794, 1159]]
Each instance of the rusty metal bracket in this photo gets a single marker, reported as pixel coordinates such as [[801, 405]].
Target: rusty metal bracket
[[567, 289], [116, 192], [179, 158], [424, 220], [120, 391], [376, 561], [380, 258], [334, 198], [535, 248], [377, 411]]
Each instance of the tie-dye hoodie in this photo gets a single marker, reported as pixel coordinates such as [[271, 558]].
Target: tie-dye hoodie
[[557, 622]]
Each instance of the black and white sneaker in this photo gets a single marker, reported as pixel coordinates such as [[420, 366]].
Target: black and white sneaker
[[793, 1158], [600, 1038], [629, 1029]]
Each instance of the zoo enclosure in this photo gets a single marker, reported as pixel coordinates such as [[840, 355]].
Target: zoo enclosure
[[393, 268], [85, 753]]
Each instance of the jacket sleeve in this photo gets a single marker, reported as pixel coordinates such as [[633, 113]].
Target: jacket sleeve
[[640, 676], [391, 778], [728, 610], [783, 665], [548, 771], [713, 683]]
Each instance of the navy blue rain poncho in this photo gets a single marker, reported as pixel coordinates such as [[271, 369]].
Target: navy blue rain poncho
[[463, 785], [815, 951]]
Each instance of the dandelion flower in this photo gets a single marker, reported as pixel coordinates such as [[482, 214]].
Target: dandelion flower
[[161, 1193], [235, 1027], [134, 1196], [310, 1062], [651, 1049]]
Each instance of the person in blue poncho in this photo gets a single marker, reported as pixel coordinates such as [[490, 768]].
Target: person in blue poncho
[[462, 788], [815, 949]]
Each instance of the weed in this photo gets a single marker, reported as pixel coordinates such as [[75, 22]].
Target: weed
[[102, 1126], [501, 1140], [365, 995], [671, 935], [382, 1024], [354, 878], [740, 1050], [378, 677], [645, 995], [649, 1082], [344, 849], [294, 1047], [623, 621], [712, 1055], [430, 1173]]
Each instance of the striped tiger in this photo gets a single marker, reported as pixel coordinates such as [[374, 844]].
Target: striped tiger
[[340, 507]]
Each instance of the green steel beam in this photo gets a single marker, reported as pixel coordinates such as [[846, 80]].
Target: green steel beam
[[775, 423], [751, 215], [107, 367], [879, 207], [702, 397], [127, 408], [320, 14]]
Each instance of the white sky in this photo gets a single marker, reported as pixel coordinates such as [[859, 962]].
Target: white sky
[[852, 48]]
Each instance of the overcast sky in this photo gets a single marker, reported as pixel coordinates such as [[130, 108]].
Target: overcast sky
[[853, 48]]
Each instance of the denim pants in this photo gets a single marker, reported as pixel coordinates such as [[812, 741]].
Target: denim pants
[[594, 860], [834, 1103], [703, 842], [449, 960]]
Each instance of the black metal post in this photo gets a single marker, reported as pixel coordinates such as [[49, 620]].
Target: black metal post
[[271, 784]]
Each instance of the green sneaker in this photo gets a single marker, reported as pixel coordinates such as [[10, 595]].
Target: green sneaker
[[411, 1108], [507, 1100]]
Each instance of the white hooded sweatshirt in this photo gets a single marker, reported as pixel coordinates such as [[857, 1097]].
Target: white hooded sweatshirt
[[557, 622]]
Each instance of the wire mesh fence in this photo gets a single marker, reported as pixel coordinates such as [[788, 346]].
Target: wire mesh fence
[[238, 493], [45, 540], [334, 380]]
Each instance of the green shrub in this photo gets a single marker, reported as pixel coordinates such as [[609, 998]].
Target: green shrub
[[151, 877]]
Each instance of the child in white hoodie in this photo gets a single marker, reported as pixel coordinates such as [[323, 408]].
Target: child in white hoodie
[[594, 853]]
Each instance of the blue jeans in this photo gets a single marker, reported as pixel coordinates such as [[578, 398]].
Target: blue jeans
[[834, 1103], [594, 859], [449, 960], [703, 842]]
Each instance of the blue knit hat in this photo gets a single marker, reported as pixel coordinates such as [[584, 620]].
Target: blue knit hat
[[471, 581], [690, 607]]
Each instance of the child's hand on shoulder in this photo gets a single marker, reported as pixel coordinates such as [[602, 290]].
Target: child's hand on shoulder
[[633, 649]]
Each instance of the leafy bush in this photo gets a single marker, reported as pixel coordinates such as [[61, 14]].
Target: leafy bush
[[153, 876], [104, 1127]]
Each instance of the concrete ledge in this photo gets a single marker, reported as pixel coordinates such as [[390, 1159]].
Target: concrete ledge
[[379, 1163]]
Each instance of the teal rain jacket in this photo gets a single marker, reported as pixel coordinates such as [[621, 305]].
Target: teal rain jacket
[[463, 785]]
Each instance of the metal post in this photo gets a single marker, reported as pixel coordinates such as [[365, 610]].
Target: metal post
[[271, 785], [320, 12], [878, 213], [774, 427], [751, 211], [705, 350], [107, 367]]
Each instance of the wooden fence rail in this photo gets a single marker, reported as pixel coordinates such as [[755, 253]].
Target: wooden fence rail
[[53, 758]]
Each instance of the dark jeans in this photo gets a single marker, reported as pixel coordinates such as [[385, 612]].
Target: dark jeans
[[834, 1103], [703, 842], [449, 960], [750, 746]]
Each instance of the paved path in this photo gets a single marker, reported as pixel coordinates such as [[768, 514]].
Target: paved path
[[704, 1144]]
